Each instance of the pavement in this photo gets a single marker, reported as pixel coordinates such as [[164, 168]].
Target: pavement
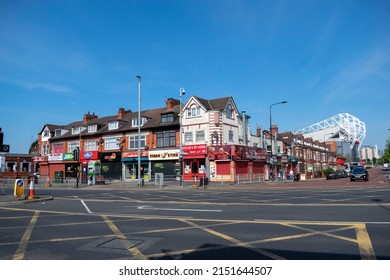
[[7, 196]]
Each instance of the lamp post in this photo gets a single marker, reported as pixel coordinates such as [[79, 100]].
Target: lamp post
[[181, 93], [270, 120], [139, 130]]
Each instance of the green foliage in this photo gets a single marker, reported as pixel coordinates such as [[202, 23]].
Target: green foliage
[[386, 155]]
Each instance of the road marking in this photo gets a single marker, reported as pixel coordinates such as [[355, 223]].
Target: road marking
[[85, 206], [364, 242], [147, 207], [126, 243], [20, 251], [234, 241]]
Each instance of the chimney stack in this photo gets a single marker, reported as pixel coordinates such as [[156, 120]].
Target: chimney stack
[[171, 102], [121, 113], [87, 117]]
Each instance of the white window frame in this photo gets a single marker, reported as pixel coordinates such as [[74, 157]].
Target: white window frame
[[92, 128], [193, 112], [76, 130], [231, 136], [188, 137], [113, 125], [73, 145], [200, 136], [133, 141], [229, 111], [91, 145], [111, 143]]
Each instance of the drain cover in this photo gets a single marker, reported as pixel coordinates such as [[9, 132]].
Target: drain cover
[[117, 243]]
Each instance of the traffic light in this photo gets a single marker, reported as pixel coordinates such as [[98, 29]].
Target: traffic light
[[76, 154]]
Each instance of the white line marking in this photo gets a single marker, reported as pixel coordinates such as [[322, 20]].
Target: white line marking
[[86, 207], [146, 207]]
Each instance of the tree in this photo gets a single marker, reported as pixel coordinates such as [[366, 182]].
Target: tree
[[33, 146], [386, 154]]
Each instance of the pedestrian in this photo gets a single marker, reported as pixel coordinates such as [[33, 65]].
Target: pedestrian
[[291, 174]]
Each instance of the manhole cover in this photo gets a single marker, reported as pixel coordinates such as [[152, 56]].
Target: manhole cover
[[117, 243]]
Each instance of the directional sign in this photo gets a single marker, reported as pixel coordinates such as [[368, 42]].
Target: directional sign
[[19, 188], [5, 148]]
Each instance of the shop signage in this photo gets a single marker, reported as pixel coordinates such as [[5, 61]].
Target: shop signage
[[89, 155], [68, 156], [110, 157], [37, 159], [164, 155], [55, 157], [195, 149], [134, 154]]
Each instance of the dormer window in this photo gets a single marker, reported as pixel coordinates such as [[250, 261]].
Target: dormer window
[[76, 130], [167, 118], [113, 125], [92, 128], [57, 133], [193, 112], [134, 121]]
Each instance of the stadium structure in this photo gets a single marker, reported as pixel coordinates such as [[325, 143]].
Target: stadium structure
[[345, 129]]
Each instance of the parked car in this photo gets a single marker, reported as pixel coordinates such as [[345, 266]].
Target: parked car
[[331, 174], [341, 174], [359, 173]]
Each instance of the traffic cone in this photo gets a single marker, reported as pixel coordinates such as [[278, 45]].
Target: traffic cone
[[48, 182], [195, 183], [31, 191]]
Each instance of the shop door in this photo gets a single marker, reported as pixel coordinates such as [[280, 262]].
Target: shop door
[[195, 167]]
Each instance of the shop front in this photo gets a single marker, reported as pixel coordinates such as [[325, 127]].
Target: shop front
[[56, 167], [85, 158], [194, 161], [71, 165], [235, 162], [111, 165], [165, 161], [130, 165]]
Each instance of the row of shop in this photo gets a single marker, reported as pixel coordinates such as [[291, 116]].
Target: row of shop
[[218, 163]]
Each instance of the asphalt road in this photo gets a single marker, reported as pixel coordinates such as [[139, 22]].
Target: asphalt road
[[321, 219]]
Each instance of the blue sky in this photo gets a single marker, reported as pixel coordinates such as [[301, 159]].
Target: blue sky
[[60, 59]]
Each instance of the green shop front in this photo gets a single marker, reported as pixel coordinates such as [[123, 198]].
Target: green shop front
[[130, 165]]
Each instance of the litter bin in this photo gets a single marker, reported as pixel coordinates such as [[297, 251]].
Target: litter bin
[[204, 181], [58, 176], [297, 177]]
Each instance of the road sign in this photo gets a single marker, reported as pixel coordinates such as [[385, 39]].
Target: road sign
[[5, 148], [19, 188]]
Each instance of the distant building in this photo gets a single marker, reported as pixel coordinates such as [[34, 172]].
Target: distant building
[[369, 152]]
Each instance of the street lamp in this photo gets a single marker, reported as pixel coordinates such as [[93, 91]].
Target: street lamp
[[139, 130], [181, 93], [270, 120]]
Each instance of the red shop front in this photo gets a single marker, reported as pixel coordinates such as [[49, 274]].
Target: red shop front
[[194, 161]]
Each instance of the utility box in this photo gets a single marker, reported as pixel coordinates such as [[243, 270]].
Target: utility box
[[94, 169]]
